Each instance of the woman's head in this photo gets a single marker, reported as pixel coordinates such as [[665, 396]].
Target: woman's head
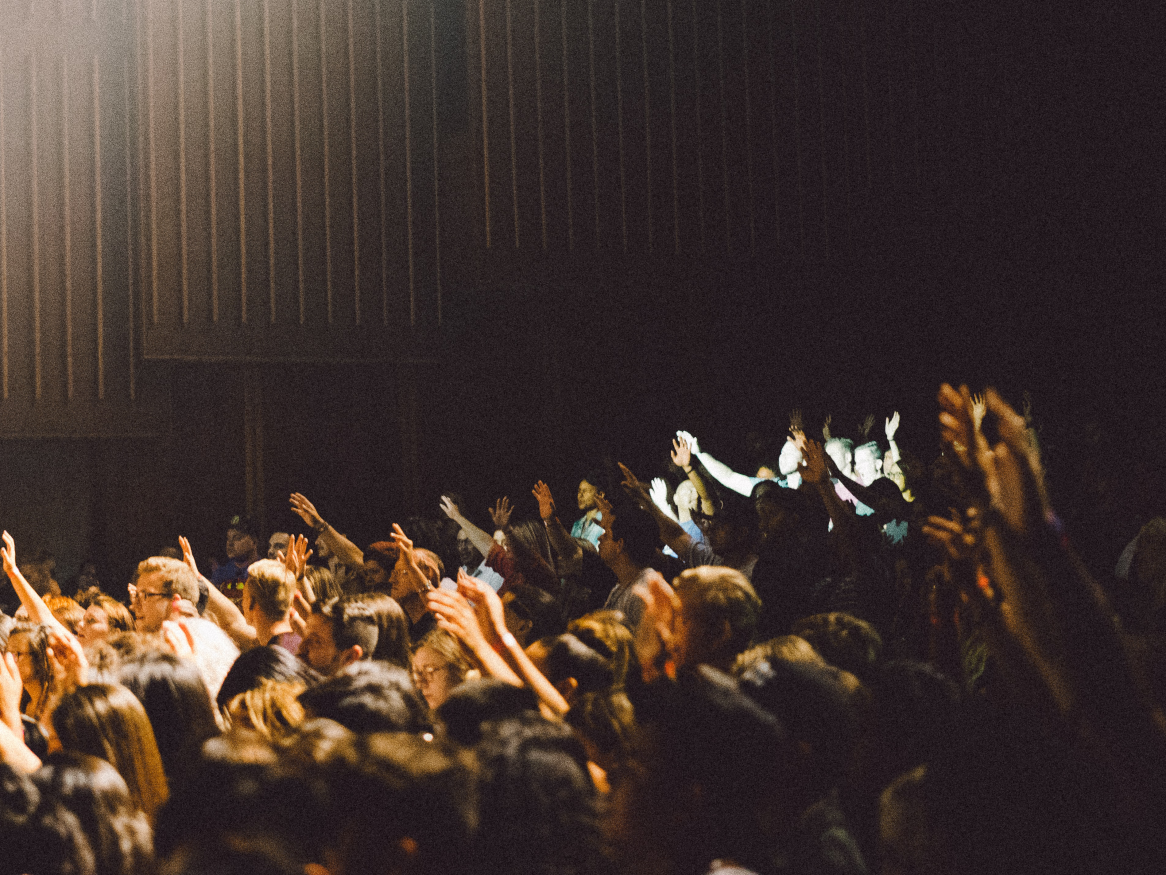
[[439, 665], [271, 709], [107, 721], [104, 616], [29, 642], [177, 704], [392, 629], [116, 828]]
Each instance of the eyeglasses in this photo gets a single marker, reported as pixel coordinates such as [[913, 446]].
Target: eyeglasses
[[426, 674], [146, 596]]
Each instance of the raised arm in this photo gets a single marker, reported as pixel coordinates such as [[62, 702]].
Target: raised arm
[[221, 609], [682, 449], [478, 537], [671, 532], [342, 548], [566, 548], [721, 472], [816, 475], [38, 611]]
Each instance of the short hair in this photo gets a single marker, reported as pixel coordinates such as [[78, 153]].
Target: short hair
[[638, 531], [177, 577], [324, 583], [119, 616], [370, 697], [872, 446], [713, 595], [445, 645], [843, 640], [352, 621], [788, 647], [264, 663], [108, 721], [272, 586], [480, 701], [568, 657], [66, 611]]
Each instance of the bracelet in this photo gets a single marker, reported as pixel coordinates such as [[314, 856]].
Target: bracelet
[[688, 470]]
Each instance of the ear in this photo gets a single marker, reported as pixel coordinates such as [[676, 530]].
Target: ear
[[353, 654]]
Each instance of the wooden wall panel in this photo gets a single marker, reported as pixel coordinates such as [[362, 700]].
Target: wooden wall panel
[[67, 339]]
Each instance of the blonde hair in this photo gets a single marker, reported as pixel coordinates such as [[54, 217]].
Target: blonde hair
[[272, 586], [449, 649], [178, 578], [66, 611], [791, 648], [271, 709]]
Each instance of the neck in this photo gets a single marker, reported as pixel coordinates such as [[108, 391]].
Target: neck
[[266, 628], [624, 569]]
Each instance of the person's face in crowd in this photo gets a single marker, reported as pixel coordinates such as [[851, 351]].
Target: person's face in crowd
[[789, 459], [766, 473], [586, 496], [94, 626], [867, 466], [277, 544], [842, 455], [240, 545], [378, 579], [318, 649], [685, 496], [21, 648], [467, 553], [432, 675], [151, 603]]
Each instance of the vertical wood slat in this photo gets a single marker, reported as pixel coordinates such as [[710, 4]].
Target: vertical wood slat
[[183, 239], [436, 160], [381, 164], [324, 129], [98, 230], [67, 224], [36, 320], [408, 160], [242, 161], [352, 156], [271, 269]]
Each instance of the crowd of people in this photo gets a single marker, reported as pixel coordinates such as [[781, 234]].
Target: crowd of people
[[850, 660]]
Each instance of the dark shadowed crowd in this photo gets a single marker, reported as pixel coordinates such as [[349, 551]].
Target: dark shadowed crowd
[[849, 659]]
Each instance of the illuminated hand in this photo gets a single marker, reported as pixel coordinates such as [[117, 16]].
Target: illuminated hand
[[959, 538], [450, 509], [8, 554], [306, 511], [487, 606], [659, 494], [690, 440], [826, 427], [681, 452], [546, 502], [655, 634], [67, 661], [297, 556], [455, 615], [955, 421], [1012, 470], [176, 633], [798, 437], [979, 408], [814, 467], [501, 512], [11, 690], [892, 425], [300, 611]]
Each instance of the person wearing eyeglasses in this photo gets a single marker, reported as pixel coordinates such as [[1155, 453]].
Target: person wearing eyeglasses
[[156, 582], [439, 665]]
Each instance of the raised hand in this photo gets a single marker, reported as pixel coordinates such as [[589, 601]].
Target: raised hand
[[979, 408], [67, 661], [826, 427], [955, 421], [188, 555], [487, 606], [798, 437], [1012, 469], [796, 422], [814, 466], [306, 511], [297, 556], [634, 487], [690, 440], [546, 502], [681, 452], [301, 609], [450, 509], [501, 512], [958, 537], [8, 554], [455, 614], [892, 425], [658, 492]]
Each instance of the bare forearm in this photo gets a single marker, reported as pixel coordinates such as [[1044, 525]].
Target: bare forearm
[[534, 678], [727, 477], [38, 611], [230, 619], [569, 552], [702, 491], [480, 538], [342, 548]]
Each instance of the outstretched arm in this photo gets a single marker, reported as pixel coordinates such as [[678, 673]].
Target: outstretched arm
[[342, 548], [478, 537], [38, 611], [723, 474], [671, 532]]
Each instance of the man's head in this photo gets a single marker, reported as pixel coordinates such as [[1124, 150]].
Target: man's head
[[629, 533], [718, 616], [242, 539], [156, 581], [277, 544], [868, 463], [685, 496], [587, 495], [340, 632], [268, 591], [841, 450]]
